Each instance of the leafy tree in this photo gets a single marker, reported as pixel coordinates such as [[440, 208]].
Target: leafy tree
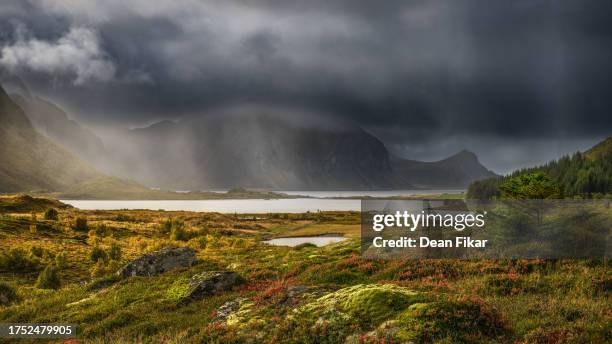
[[528, 191], [533, 185]]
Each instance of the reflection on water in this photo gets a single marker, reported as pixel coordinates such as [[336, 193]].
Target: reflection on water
[[252, 206], [291, 242]]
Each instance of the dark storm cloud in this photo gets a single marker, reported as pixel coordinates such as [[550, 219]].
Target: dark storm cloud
[[412, 72]]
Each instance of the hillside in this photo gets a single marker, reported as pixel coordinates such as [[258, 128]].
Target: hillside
[[30, 161], [458, 170], [51, 121], [583, 174], [600, 150], [25, 203]]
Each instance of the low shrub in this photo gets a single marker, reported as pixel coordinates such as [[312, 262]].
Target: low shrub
[[8, 294], [60, 260], [17, 260], [98, 254], [51, 214], [166, 227], [37, 251], [179, 234], [114, 252], [80, 224], [48, 278]]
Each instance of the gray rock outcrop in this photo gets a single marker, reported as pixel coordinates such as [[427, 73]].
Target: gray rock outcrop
[[155, 263], [211, 282]]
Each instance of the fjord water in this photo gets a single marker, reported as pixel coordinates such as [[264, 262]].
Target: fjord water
[[371, 193], [315, 240], [321, 201], [250, 206]]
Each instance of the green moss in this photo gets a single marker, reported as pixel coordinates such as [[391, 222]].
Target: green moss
[[178, 290], [453, 321], [367, 304]]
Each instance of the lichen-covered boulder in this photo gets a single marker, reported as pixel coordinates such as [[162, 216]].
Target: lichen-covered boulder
[[206, 283], [211, 282], [158, 262], [229, 308]]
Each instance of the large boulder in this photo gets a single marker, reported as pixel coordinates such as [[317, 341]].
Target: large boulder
[[211, 282], [158, 262]]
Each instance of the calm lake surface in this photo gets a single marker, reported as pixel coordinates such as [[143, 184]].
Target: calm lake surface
[[371, 193], [291, 242], [297, 205]]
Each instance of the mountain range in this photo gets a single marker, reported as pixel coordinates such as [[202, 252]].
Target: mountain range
[[43, 149], [261, 149]]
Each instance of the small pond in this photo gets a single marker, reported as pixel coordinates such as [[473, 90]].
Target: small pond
[[316, 240]]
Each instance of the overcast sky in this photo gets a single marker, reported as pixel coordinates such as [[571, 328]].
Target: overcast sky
[[517, 82]]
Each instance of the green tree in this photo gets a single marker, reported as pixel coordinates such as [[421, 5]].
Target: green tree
[[532, 185], [527, 192]]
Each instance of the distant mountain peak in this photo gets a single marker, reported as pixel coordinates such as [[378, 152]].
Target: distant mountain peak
[[464, 155]]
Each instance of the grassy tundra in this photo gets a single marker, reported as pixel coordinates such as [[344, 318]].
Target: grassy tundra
[[59, 267]]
